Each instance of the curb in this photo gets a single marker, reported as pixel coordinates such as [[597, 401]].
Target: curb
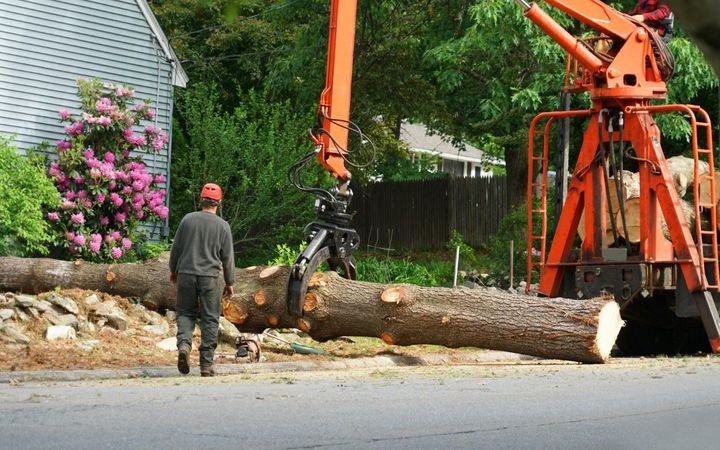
[[268, 367]]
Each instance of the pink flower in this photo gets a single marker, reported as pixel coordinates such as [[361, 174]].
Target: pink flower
[[138, 185], [95, 173], [54, 169], [100, 197], [104, 220], [159, 142], [70, 195], [78, 179], [88, 153], [79, 240], [116, 252], [109, 157], [150, 113], [104, 105], [104, 120], [96, 237], [159, 178], [161, 212], [95, 246], [126, 243], [64, 114], [139, 214], [63, 145], [127, 133], [53, 216], [136, 140], [78, 218], [152, 130], [70, 235], [115, 235], [88, 203], [66, 204], [116, 200], [126, 153], [82, 194], [124, 92], [89, 118], [120, 217], [75, 128]]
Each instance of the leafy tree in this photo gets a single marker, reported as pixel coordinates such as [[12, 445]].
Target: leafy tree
[[248, 151], [25, 192]]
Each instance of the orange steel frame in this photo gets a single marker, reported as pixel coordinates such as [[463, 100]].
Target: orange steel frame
[[627, 83], [334, 109]]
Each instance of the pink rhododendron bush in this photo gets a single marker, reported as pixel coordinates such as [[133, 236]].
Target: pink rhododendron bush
[[105, 187]]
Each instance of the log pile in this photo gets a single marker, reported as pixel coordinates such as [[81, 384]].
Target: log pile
[[399, 314], [682, 169]]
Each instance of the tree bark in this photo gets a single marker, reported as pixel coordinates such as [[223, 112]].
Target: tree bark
[[399, 314]]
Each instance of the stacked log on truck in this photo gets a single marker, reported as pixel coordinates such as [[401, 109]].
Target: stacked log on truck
[[682, 170]]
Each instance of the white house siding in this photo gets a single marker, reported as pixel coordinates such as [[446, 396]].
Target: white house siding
[[47, 45]]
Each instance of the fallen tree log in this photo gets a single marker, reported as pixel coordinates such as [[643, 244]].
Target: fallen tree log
[[578, 330]]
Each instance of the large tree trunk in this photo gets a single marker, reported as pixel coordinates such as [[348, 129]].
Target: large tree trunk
[[399, 314]]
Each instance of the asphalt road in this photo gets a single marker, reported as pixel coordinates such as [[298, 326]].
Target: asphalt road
[[671, 403]]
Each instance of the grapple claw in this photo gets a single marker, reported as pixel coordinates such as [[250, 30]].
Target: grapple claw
[[329, 243]]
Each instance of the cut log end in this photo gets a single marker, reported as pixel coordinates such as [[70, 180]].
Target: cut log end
[[304, 325], [260, 297], [387, 338], [609, 325], [269, 272], [235, 313], [310, 302], [393, 294], [317, 280]]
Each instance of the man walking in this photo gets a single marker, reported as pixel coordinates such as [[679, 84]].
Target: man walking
[[202, 246]]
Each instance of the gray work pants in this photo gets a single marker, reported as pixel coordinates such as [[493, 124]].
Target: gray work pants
[[198, 298]]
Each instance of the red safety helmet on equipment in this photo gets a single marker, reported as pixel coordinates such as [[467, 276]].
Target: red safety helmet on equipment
[[211, 190]]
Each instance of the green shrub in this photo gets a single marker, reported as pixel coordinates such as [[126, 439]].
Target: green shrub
[[286, 255], [386, 271], [25, 192], [468, 258], [148, 249]]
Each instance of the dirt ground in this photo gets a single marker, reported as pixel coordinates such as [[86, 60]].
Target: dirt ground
[[134, 347]]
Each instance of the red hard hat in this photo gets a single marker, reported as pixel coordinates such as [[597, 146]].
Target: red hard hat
[[211, 190]]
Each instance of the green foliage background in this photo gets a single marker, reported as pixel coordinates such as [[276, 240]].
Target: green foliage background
[[25, 192], [476, 70]]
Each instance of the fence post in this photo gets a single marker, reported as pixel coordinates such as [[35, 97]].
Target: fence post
[[457, 263]]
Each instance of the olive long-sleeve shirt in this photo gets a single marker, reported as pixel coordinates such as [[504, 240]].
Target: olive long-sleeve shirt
[[202, 246]]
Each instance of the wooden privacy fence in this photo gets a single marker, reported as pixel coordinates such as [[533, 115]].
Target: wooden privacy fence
[[412, 215]]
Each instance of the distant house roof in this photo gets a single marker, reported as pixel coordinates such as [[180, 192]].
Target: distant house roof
[[180, 78], [417, 137]]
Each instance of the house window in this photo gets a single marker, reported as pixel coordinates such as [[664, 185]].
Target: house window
[[456, 168]]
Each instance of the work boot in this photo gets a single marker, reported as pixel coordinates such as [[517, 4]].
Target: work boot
[[207, 371], [184, 359]]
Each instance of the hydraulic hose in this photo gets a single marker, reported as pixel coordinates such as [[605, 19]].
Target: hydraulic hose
[[621, 195], [603, 164]]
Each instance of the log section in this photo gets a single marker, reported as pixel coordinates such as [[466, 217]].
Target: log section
[[578, 330]]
